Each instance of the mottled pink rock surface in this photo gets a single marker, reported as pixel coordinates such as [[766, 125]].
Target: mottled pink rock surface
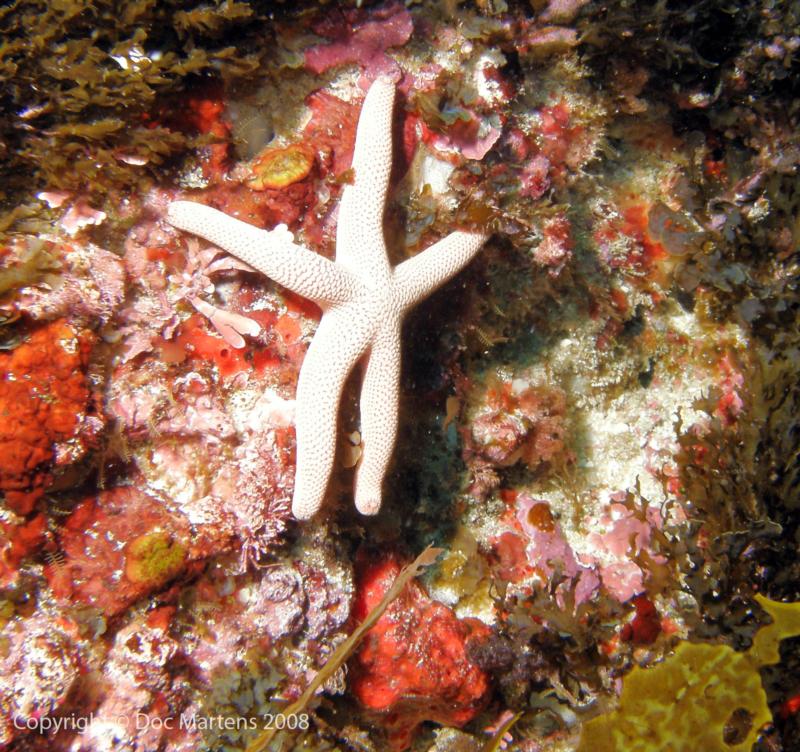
[[361, 41]]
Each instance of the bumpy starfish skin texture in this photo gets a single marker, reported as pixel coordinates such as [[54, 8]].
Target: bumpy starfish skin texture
[[363, 300]]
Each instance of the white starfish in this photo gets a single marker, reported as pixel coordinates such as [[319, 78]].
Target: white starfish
[[363, 300]]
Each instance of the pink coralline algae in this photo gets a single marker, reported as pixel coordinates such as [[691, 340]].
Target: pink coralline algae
[[149, 257], [464, 131], [280, 602], [198, 411], [89, 286], [549, 552], [194, 282], [295, 603], [624, 536], [276, 604], [546, 40], [256, 490], [79, 215], [511, 559], [329, 604], [39, 665], [137, 691], [555, 249], [170, 281], [364, 43], [562, 138], [537, 546], [561, 11], [525, 424], [463, 124], [237, 476], [534, 178]]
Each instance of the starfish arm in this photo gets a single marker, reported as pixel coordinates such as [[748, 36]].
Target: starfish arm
[[360, 244], [340, 340], [271, 252], [418, 277], [380, 394]]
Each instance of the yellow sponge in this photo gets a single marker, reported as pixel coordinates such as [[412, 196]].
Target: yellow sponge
[[686, 701]]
